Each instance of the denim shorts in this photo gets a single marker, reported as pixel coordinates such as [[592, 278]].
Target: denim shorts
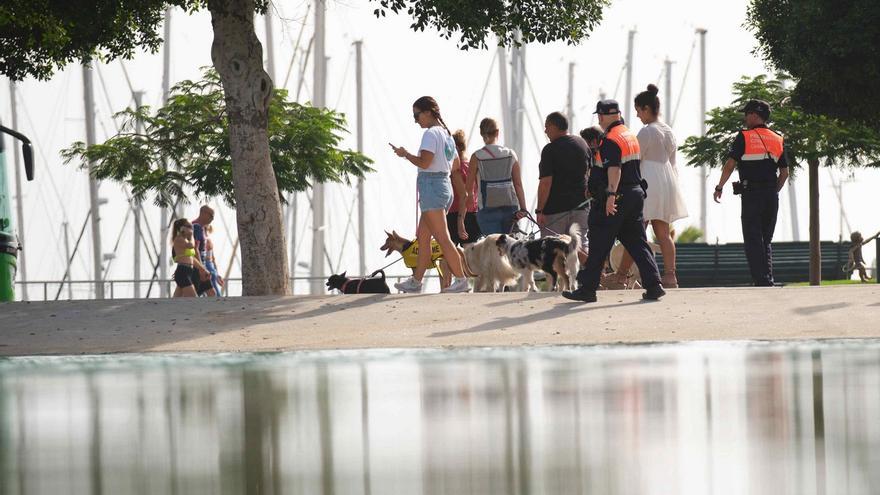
[[496, 219], [435, 191]]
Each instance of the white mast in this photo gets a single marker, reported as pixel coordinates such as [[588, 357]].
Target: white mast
[[506, 120], [627, 103], [19, 209], [318, 101], [64, 226], [362, 247], [667, 91], [792, 193], [136, 208], [569, 102], [517, 106], [94, 203], [270, 45], [163, 213], [703, 175]]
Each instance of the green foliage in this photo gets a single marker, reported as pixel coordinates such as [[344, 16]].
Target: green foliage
[[192, 132], [511, 22], [830, 48], [690, 235], [807, 136], [38, 37], [41, 36]]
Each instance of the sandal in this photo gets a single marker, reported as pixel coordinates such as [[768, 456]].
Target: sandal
[[669, 280]]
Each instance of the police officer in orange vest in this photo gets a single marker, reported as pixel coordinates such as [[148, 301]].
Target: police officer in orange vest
[[618, 195], [757, 152]]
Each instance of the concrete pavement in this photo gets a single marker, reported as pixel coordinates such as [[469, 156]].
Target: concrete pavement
[[435, 320]]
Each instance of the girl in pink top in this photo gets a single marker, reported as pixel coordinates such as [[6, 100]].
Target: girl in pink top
[[463, 226]]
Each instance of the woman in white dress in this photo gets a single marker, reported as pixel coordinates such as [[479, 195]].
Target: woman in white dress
[[664, 203]]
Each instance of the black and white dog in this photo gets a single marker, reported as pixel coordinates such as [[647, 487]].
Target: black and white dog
[[368, 285], [555, 255]]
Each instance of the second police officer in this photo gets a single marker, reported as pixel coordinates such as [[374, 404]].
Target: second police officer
[[618, 194], [757, 153]]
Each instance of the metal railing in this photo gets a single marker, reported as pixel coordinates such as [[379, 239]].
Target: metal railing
[[71, 290]]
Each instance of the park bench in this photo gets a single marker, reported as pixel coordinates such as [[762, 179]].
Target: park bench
[[725, 265]]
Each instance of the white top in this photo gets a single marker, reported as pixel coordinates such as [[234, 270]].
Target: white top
[[657, 143], [497, 151], [438, 141]]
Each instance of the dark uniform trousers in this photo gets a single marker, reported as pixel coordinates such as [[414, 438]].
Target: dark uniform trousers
[[759, 209], [628, 226]]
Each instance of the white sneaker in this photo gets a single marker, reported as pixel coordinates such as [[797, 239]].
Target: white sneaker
[[410, 285], [458, 285]]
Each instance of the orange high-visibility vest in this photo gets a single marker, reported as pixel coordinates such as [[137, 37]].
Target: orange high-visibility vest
[[626, 141], [762, 144]]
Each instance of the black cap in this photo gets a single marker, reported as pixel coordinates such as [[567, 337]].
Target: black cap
[[760, 107], [607, 107]]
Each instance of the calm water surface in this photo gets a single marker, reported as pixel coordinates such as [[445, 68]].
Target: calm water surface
[[779, 419]]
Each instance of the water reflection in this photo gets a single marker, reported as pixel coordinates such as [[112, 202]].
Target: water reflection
[[685, 419]]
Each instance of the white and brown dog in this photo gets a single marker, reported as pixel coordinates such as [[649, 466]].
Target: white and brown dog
[[633, 278], [555, 255], [491, 267]]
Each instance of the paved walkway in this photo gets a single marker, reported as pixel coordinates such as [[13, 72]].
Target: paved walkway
[[334, 322]]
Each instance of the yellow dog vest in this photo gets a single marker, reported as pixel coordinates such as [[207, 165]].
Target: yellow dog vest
[[411, 254]]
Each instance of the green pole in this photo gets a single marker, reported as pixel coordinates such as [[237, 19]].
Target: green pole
[[8, 242], [9, 245]]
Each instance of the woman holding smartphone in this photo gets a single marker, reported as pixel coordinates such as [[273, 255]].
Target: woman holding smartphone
[[436, 159]]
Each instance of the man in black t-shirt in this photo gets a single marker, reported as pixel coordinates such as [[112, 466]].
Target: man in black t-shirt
[[565, 162]]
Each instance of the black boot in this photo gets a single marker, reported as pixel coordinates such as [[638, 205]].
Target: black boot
[[654, 293], [582, 295]]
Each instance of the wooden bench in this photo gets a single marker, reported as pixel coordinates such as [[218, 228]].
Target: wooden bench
[[725, 265]]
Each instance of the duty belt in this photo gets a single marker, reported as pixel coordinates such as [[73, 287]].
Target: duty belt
[[758, 185]]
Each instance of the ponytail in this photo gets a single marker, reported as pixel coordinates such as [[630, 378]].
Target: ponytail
[[460, 143], [438, 117]]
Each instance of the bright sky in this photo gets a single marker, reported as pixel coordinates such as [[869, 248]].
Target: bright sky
[[400, 66]]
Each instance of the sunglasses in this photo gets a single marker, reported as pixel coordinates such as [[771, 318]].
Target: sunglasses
[[416, 116]]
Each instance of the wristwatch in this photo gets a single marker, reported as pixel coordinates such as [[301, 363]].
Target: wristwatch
[[719, 188], [611, 193], [539, 211]]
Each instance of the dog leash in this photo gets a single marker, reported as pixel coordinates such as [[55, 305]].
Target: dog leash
[[362, 280], [389, 264], [532, 219], [515, 229]]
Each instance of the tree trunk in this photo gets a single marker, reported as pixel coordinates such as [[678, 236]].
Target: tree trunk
[[815, 247], [238, 58]]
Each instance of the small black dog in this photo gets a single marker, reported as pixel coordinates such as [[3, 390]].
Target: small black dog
[[369, 285]]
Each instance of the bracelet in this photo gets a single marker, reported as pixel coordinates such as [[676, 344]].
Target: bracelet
[[611, 193], [539, 212]]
